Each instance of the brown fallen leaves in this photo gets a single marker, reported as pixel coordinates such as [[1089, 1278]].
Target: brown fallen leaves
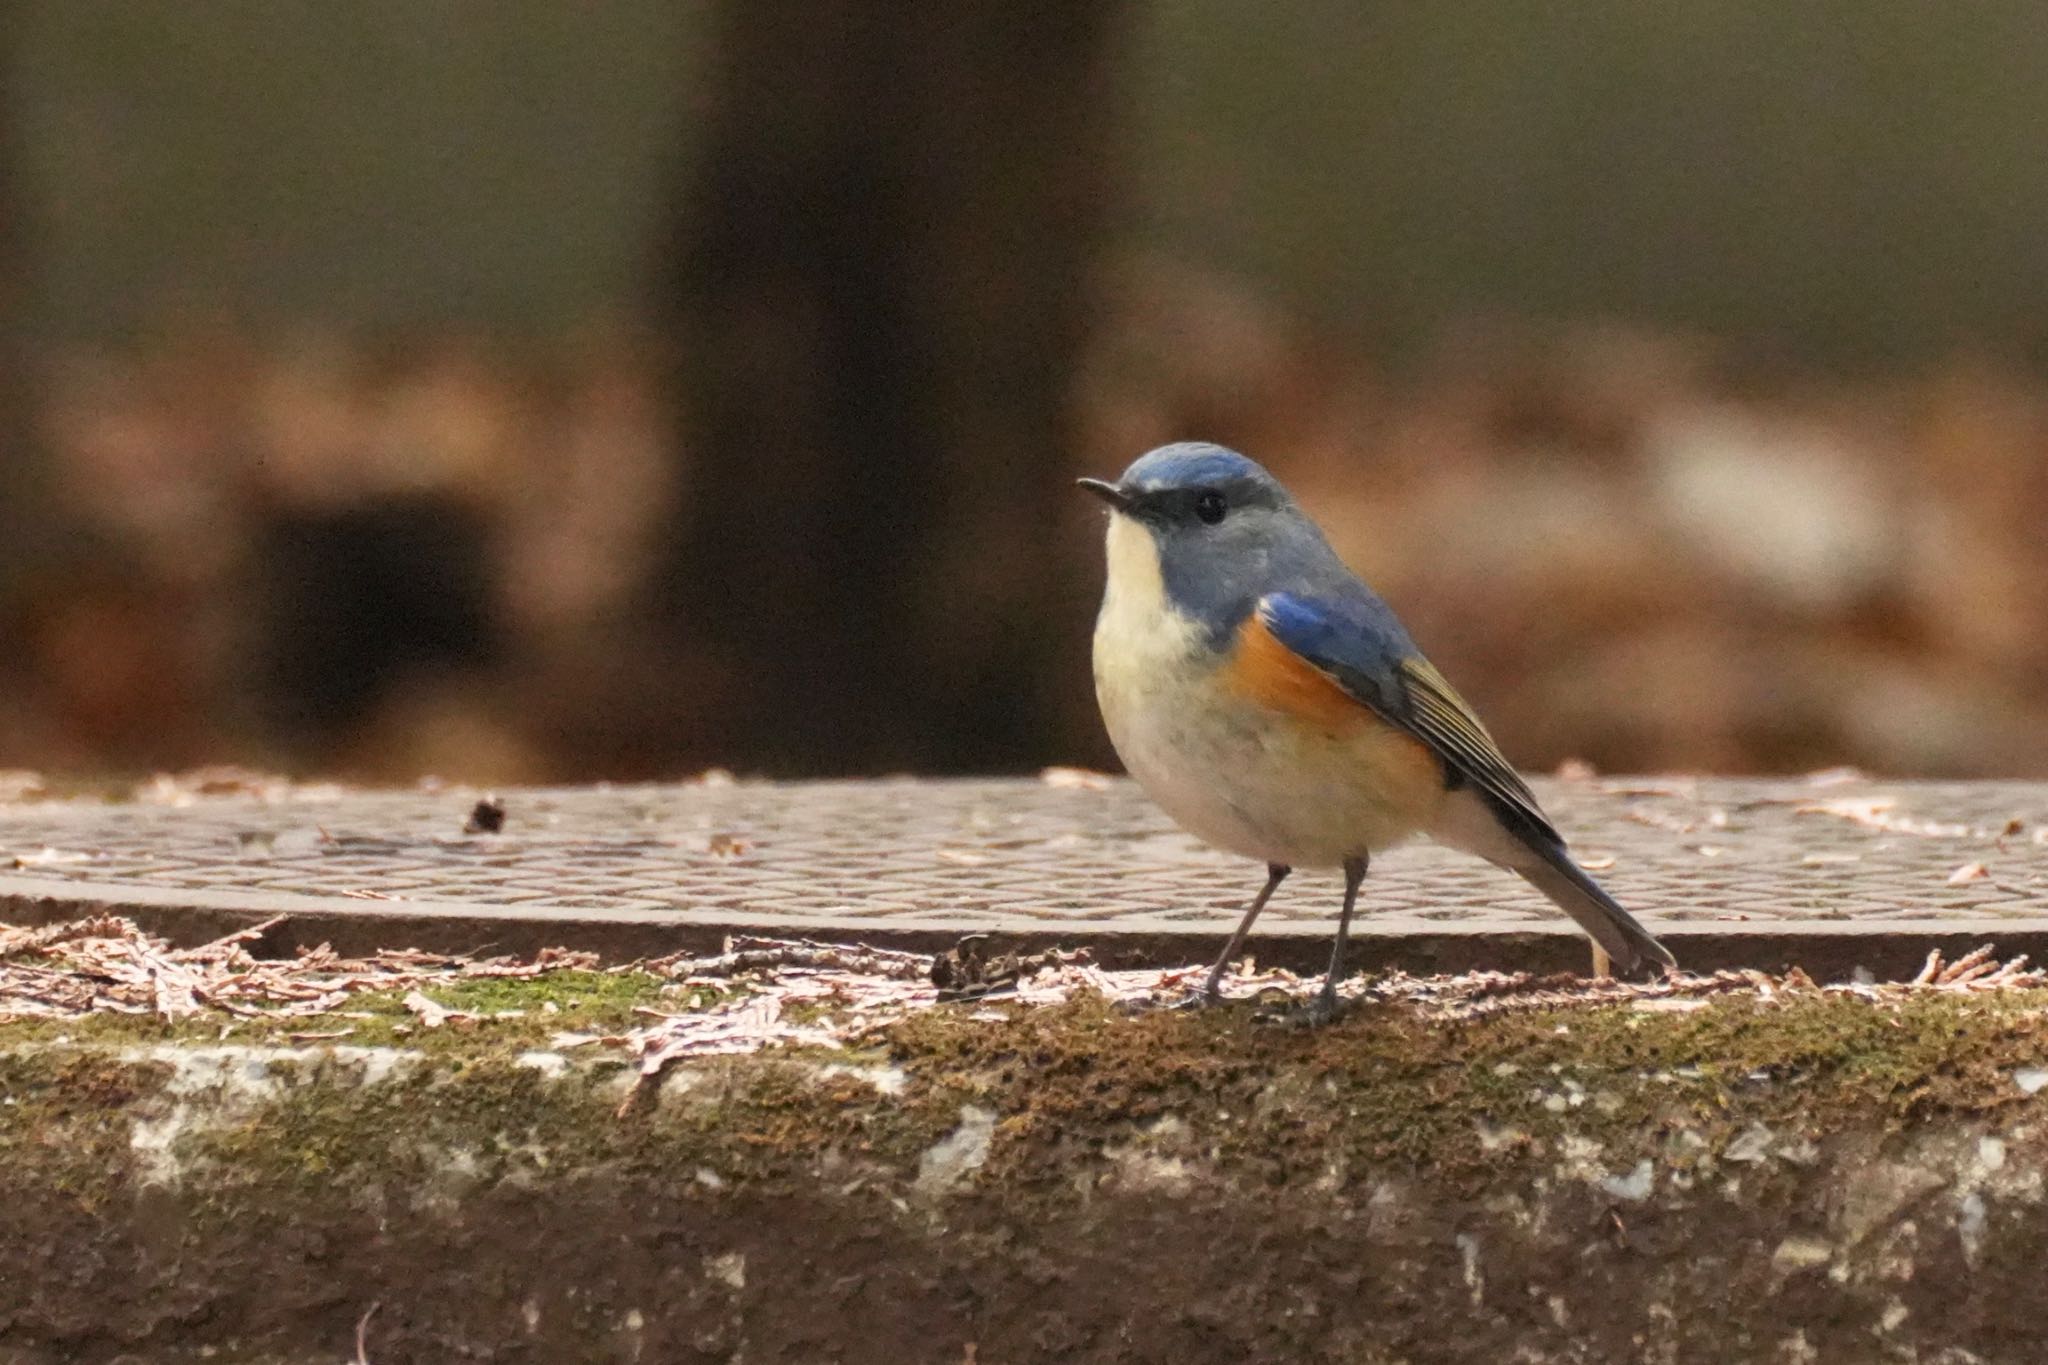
[[1978, 970], [106, 964], [1883, 813], [1480, 993], [764, 992]]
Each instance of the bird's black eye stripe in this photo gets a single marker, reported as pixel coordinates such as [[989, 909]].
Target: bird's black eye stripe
[[1209, 506]]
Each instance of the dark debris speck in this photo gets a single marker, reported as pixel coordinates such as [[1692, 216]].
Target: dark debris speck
[[487, 817]]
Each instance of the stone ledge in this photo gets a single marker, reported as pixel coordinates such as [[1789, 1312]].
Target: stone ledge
[[1807, 1177]]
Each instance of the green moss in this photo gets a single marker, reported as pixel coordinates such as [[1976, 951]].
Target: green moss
[[1386, 1086], [758, 1120], [516, 1014], [67, 1118], [589, 996], [1382, 1089]]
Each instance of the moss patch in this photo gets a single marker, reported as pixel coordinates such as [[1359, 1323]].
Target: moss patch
[[67, 1119], [495, 1120], [1385, 1085], [1071, 1087], [516, 1015]]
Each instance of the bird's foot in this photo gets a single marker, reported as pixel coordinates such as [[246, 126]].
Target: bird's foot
[[1320, 1009]]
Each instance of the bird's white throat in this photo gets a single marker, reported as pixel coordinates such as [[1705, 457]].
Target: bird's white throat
[[1142, 644]]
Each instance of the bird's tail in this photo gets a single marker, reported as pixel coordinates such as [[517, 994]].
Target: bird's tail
[[1516, 838], [1599, 914]]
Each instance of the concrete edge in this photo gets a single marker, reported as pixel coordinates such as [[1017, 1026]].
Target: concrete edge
[[1825, 949]]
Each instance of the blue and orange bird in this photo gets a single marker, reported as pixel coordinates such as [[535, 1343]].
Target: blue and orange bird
[[1271, 703]]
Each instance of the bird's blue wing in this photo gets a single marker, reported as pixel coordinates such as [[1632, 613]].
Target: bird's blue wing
[[1361, 647]]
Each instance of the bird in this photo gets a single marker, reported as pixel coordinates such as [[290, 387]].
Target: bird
[[1275, 707]]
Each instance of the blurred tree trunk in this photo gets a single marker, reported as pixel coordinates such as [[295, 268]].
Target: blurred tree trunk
[[22, 530], [882, 274]]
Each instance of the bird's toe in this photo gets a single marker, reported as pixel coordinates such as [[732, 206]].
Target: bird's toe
[[1320, 1009]]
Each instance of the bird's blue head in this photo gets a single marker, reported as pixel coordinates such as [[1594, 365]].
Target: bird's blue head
[[1211, 532]]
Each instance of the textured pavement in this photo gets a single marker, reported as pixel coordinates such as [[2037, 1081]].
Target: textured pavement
[[1830, 873]]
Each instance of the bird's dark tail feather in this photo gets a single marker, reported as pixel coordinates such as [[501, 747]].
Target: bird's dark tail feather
[[1599, 914]]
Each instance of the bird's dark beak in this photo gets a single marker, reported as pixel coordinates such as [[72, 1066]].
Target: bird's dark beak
[[1108, 492]]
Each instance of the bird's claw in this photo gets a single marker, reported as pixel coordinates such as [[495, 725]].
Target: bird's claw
[[1323, 1008]]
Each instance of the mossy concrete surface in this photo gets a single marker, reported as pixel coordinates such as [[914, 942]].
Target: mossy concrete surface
[[1806, 1178]]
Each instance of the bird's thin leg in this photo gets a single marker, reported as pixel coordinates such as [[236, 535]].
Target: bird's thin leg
[[1354, 874], [1276, 873]]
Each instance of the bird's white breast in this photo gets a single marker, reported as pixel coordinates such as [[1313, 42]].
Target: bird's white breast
[[1228, 768]]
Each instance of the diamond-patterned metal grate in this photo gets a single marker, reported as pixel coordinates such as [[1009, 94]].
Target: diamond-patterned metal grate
[[1004, 854]]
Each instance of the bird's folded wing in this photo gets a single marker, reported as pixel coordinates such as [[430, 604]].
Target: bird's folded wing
[[1361, 649]]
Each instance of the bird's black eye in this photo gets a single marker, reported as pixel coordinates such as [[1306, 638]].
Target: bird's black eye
[[1209, 506]]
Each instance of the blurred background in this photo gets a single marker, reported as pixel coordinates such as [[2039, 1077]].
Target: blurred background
[[522, 390]]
